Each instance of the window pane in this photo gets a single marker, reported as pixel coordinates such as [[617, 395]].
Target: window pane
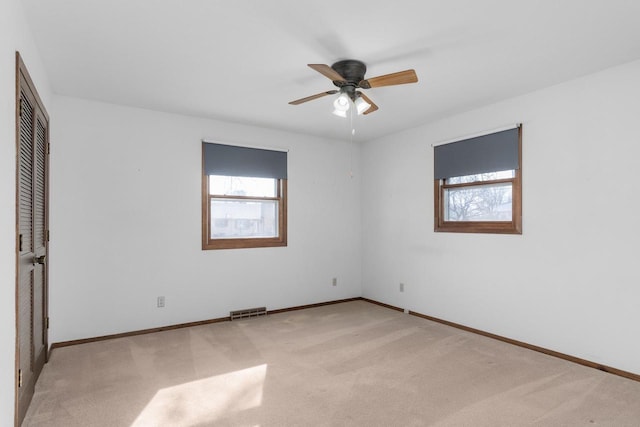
[[242, 186], [490, 202], [481, 177], [242, 219]]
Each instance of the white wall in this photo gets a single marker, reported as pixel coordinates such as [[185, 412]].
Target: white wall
[[570, 281], [14, 35], [126, 223]]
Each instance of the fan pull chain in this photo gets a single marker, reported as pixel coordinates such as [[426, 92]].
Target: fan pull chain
[[353, 132]]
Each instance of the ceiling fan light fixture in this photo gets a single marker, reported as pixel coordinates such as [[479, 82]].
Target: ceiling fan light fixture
[[361, 105], [341, 103], [340, 113]]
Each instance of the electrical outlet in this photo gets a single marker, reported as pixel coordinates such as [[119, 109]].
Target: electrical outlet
[[401, 287], [160, 302], [334, 282]]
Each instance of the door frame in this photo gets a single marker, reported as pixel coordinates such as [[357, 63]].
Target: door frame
[[21, 71]]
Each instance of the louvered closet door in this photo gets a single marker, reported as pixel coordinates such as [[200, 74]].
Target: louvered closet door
[[39, 238], [32, 165]]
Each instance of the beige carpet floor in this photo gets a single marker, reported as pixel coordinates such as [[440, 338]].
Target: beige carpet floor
[[348, 364]]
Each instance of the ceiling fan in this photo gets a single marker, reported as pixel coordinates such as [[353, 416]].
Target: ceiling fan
[[348, 76]]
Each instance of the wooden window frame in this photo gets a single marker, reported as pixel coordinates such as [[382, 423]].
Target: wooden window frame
[[492, 227], [209, 243]]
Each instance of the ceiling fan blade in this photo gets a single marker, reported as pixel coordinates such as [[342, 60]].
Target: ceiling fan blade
[[312, 97], [327, 71], [373, 107], [399, 78]]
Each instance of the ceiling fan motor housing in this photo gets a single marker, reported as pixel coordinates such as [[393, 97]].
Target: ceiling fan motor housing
[[353, 72]]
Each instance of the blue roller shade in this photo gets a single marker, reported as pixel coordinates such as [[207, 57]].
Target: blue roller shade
[[231, 160], [487, 153]]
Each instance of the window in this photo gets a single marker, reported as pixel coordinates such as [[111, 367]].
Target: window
[[478, 184], [244, 197]]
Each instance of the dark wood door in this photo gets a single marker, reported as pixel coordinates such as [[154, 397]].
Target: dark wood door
[[32, 134]]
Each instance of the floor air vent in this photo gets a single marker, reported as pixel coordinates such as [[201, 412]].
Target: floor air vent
[[249, 312]]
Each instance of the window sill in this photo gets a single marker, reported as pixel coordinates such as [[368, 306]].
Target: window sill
[[243, 243], [492, 227]]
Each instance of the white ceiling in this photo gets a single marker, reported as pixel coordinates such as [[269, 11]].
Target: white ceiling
[[244, 60]]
